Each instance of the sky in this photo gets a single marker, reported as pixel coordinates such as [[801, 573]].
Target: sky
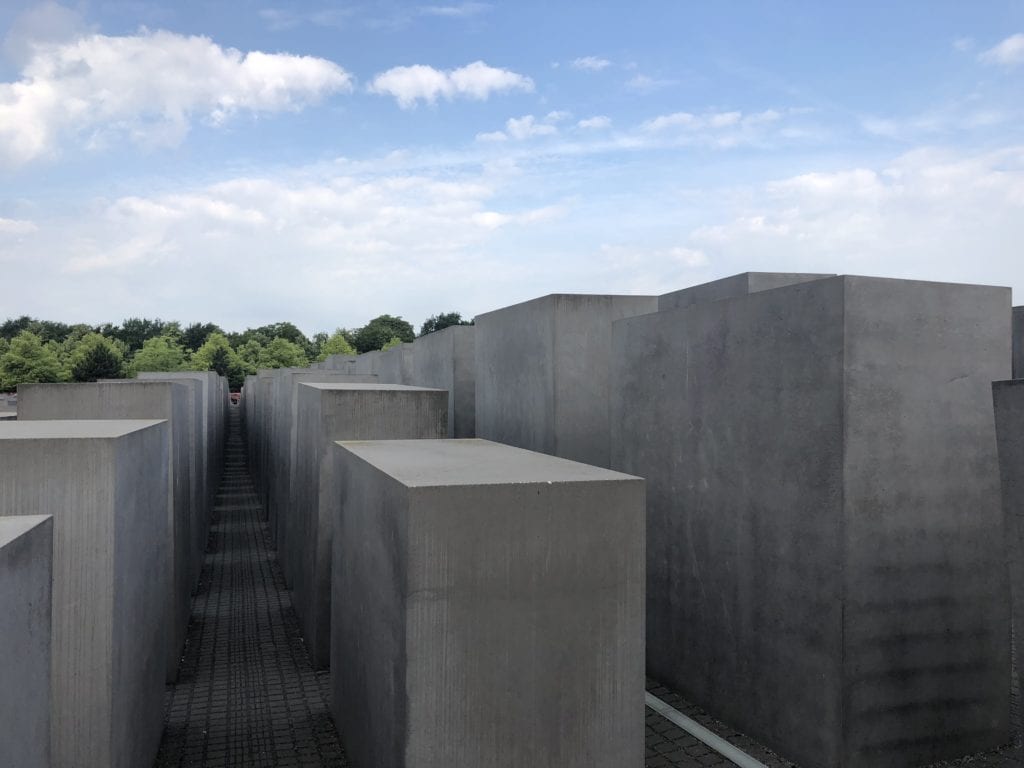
[[327, 162]]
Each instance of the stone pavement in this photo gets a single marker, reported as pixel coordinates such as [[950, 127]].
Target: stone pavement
[[247, 695]]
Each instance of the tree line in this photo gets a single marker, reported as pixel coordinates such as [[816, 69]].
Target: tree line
[[45, 351]]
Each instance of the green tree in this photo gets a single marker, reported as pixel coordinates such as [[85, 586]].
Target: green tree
[[441, 321], [394, 341], [27, 361], [379, 331], [335, 344], [97, 357], [194, 336], [281, 353], [161, 353], [135, 331], [217, 355]]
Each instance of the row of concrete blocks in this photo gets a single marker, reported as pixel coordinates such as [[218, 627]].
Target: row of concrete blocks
[[123, 468], [825, 535], [477, 604]]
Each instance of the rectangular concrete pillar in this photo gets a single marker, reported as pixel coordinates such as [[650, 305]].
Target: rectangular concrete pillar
[[487, 608], [135, 399], [1008, 397], [396, 365], [1018, 342], [446, 359], [340, 363], [368, 362], [105, 483], [325, 413], [26, 574], [825, 539], [542, 372]]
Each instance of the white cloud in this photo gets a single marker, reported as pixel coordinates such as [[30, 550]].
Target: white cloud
[[595, 123], [525, 127], [408, 85], [460, 11], [720, 129], [16, 227], [646, 84], [1008, 53], [557, 116], [147, 87], [590, 63], [492, 136], [963, 44]]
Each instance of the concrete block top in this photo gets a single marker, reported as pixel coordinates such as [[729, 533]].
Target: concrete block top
[[431, 463], [16, 526], [366, 387], [577, 301], [81, 429]]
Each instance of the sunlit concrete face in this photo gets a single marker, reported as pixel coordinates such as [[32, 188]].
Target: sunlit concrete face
[[325, 413], [26, 574], [825, 539], [105, 483], [446, 359], [487, 608]]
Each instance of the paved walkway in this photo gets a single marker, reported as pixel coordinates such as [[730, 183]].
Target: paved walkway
[[247, 696]]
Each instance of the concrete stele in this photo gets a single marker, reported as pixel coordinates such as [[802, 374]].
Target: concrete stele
[[105, 483], [446, 359], [488, 606], [26, 573], [325, 413]]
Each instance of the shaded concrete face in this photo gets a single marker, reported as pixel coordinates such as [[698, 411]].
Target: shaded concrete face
[[465, 568], [325, 413], [144, 400], [340, 363], [1008, 398], [446, 359], [396, 365], [731, 287], [105, 483], [1018, 342], [823, 526], [542, 373], [26, 572], [368, 362]]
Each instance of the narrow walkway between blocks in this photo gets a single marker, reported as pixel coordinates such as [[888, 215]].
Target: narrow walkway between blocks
[[246, 694]]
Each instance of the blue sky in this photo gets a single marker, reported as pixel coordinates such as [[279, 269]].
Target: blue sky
[[328, 162]]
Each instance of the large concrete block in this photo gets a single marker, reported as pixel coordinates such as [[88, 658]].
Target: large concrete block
[[488, 608], [325, 413], [733, 286], [1018, 342], [282, 439], [825, 541], [105, 483], [396, 365], [1008, 397], [134, 399], [368, 362], [26, 573], [542, 371], [446, 359], [340, 363]]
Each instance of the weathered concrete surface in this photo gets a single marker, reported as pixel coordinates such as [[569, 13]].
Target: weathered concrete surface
[[731, 287], [1018, 342], [825, 567], [282, 439], [340, 363], [446, 359], [368, 362], [396, 365], [1008, 398], [488, 608], [26, 573], [542, 371], [325, 413], [135, 399], [105, 483]]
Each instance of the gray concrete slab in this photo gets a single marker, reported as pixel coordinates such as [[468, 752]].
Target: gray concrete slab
[[735, 285], [1018, 342], [135, 399], [368, 362], [340, 363], [26, 574], [325, 413], [487, 608], [824, 549], [542, 371], [396, 365], [105, 483], [446, 359], [1008, 400]]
